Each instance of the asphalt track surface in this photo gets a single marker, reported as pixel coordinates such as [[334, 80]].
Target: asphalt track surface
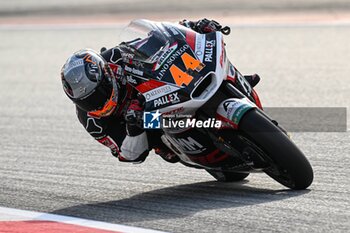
[[49, 163]]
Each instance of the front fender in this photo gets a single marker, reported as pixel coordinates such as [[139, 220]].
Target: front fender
[[231, 111]]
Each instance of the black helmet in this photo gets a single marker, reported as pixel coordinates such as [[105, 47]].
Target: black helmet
[[89, 82]]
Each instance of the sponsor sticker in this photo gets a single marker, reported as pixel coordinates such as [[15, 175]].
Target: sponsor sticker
[[208, 51], [159, 91], [234, 109], [199, 46], [167, 99], [133, 70], [189, 145], [174, 112], [170, 60]]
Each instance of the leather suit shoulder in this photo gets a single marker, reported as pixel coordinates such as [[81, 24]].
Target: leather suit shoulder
[[112, 55]]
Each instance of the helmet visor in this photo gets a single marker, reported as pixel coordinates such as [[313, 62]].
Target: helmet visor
[[108, 106]]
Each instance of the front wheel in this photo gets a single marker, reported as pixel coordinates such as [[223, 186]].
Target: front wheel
[[287, 164]]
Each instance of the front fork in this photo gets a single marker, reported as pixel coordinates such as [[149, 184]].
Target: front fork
[[238, 80], [232, 102]]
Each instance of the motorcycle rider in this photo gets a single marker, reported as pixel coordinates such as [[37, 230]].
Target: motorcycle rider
[[109, 108]]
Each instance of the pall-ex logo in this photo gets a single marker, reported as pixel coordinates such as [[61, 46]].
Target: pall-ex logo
[[208, 52], [170, 98], [151, 120]]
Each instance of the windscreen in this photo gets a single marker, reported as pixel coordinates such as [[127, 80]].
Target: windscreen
[[149, 39]]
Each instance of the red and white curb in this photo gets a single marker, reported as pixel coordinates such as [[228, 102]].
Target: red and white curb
[[23, 221]]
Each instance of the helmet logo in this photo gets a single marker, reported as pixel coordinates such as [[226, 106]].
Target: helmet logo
[[87, 58]]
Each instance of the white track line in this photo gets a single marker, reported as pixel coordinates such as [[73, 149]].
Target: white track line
[[22, 215]]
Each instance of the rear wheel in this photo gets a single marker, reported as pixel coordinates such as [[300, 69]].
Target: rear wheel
[[287, 164], [227, 176]]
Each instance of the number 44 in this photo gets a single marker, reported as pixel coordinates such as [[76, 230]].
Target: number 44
[[181, 77]]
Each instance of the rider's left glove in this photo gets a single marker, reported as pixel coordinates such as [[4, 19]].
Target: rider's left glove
[[207, 26]]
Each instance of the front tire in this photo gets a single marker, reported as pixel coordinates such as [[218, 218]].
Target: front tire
[[228, 176], [288, 165]]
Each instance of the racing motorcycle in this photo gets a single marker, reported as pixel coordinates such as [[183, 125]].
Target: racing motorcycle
[[207, 112]]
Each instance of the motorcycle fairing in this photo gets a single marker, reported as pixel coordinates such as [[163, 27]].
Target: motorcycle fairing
[[196, 148], [182, 59], [201, 63]]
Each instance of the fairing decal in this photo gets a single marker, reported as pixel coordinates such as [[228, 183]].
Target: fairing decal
[[149, 85], [232, 110], [191, 38]]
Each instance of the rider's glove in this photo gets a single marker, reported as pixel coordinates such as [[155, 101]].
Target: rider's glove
[[206, 26], [134, 114]]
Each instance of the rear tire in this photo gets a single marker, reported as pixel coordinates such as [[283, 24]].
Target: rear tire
[[289, 166], [228, 176]]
